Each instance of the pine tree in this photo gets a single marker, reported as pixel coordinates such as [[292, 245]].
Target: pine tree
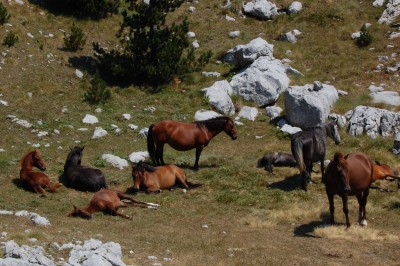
[[152, 51]]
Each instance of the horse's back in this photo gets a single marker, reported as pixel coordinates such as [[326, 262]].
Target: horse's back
[[85, 178], [360, 170]]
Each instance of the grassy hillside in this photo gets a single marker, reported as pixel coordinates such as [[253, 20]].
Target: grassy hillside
[[252, 217]]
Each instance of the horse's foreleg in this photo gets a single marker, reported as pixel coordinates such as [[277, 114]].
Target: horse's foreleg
[[331, 207], [135, 201], [346, 209], [360, 208], [39, 189], [322, 163], [198, 153]]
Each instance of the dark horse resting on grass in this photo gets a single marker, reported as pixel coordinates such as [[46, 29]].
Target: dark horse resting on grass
[[351, 175], [79, 177], [186, 136], [269, 160], [36, 180], [310, 146]]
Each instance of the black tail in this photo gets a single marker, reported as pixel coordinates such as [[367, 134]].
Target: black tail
[[297, 150], [150, 145]]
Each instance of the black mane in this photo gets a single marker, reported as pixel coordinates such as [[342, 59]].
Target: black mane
[[214, 124]]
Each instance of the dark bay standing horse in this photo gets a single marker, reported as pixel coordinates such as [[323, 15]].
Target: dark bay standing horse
[[309, 146], [349, 175], [36, 180], [186, 136], [79, 177], [269, 160]]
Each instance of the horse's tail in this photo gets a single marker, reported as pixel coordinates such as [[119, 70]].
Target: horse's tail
[[297, 150], [150, 145]]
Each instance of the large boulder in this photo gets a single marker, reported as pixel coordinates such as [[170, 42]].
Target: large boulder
[[295, 7], [391, 12], [386, 97], [262, 82], [373, 122], [309, 105], [219, 96], [243, 55], [202, 115], [261, 9]]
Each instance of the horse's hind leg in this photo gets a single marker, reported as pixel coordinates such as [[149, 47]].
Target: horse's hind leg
[[364, 197], [182, 179], [160, 154], [127, 197], [39, 189]]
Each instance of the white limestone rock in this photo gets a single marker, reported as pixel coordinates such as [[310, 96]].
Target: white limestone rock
[[99, 133], [295, 7], [115, 161], [136, 157], [261, 9], [386, 97], [201, 115], [90, 119], [249, 113], [391, 12], [219, 97], [273, 111]]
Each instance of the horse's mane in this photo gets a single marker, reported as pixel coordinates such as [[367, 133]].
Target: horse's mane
[[146, 166], [26, 156], [216, 123]]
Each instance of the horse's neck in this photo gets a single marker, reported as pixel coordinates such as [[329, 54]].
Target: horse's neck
[[26, 164], [90, 209]]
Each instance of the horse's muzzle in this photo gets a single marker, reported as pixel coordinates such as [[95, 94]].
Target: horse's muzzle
[[234, 137]]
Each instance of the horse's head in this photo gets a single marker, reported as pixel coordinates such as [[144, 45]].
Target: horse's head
[[230, 129], [76, 212], [137, 174], [75, 155], [332, 131], [338, 172], [382, 171], [37, 160]]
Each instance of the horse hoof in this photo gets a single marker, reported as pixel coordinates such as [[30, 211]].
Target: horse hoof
[[363, 222]]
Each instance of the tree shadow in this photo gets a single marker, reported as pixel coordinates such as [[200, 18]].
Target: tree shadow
[[290, 183], [22, 185], [85, 63]]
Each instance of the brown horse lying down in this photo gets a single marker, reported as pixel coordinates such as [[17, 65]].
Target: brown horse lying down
[[108, 201], [269, 160], [384, 172], [155, 179], [349, 176], [37, 180]]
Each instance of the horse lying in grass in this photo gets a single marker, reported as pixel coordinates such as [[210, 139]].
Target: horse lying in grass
[[383, 171], [79, 177], [349, 175], [37, 180], [155, 179], [269, 160], [108, 201]]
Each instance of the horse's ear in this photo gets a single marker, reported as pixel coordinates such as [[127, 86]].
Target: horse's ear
[[75, 208], [82, 148], [70, 148]]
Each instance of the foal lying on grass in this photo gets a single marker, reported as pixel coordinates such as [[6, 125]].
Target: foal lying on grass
[[108, 201], [269, 160]]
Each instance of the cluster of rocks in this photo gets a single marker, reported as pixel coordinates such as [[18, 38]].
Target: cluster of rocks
[[264, 9], [35, 218], [391, 12], [92, 253]]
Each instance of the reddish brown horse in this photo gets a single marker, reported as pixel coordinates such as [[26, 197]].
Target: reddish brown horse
[[384, 172], [108, 201], [156, 179], [37, 180], [349, 176], [186, 136]]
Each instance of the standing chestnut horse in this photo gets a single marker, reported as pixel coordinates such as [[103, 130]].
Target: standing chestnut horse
[[349, 176], [309, 146], [37, 180], [186, 136], [108, 201]]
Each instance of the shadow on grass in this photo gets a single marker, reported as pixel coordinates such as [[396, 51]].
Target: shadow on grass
[[394, 205], [306, 230], [86, 63], [288, 184], [190, 166], [22, 185]]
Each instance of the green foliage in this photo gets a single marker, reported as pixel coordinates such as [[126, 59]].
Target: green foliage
[[153, 52], [95, 9], [75, 40], [4, 15], [98, 91], [365, 38], [10, 39]]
